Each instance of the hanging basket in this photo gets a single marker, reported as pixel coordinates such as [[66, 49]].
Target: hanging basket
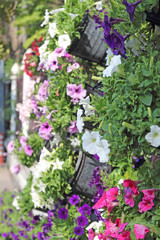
[[84, 169], [90, 46]]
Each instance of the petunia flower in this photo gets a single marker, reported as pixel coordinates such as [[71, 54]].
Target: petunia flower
[[28, 150], [130, 7], [140, 231], [146, 204], [63, 213], [82, 221], [73, 127], [154, 136], [64, 41], [10, 146]]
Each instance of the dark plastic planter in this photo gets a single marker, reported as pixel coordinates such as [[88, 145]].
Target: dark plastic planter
[[154, 18], [82, 178], [90, 45]]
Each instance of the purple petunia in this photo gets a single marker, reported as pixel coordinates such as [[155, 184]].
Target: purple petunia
[[130, 7], [82, 221], [74, 200], [85, 209], [1, 201], [78, 231], [63, 213]]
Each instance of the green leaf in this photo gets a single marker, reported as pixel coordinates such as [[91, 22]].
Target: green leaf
[[146, 99]]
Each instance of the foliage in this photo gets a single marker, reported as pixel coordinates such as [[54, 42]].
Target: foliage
[[24, 198], [13, 222], [36, 143]]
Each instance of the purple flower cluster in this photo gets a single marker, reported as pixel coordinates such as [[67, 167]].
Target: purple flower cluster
[[27, 148], [96, 179], [114, 39]]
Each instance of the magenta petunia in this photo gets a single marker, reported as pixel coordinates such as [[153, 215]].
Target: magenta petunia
[[140, 231], [146, 204]]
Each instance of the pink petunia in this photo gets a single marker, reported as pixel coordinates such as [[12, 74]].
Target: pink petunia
[[132, 185], [103, 202], [28, 150], [59, 52], [43, 90], [73, 128], [129, 196], [23, 141], [146, 204], [53, 62], [149, 193], [124, 236], [45, 131], [140, 231], [10, 146], [91, 234], [76, 92], [112, 194], [15, 169]]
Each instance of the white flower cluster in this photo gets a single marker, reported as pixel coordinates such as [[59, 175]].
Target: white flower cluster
[[112, 63], [96, 226], [93, 143], [38, 186], [88, 111]]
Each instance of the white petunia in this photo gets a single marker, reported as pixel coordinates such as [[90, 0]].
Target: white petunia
[[41, 186], [154, 136], [44, 154], [115, 61], [15, 203], [46, 18], [99, 5], [75, 142], [109, 56], [90, 141], [36, 198], [95, 225], [64, 41], [56, 10], [73, 15], [103, 150], [52, 29], [58, 164], [87, 107], [80, 123], [55, 140]]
